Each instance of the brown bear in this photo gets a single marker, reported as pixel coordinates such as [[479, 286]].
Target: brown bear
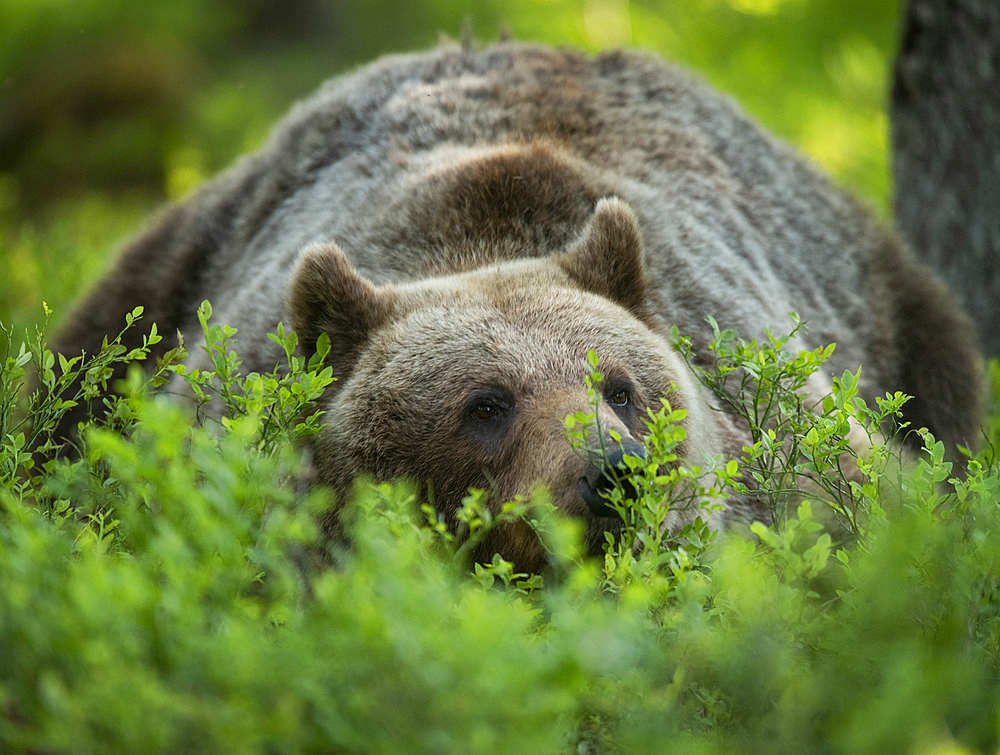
[[466, 225]]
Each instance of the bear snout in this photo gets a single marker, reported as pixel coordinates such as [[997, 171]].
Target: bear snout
[[600, 477]]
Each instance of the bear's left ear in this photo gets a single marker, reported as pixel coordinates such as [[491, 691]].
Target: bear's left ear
[[329, 296], [607, 260]]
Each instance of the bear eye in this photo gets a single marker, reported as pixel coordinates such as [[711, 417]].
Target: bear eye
[[617, 398], [485, 411], [488, 407]]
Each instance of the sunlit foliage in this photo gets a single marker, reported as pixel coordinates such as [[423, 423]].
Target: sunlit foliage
[[170, 591]]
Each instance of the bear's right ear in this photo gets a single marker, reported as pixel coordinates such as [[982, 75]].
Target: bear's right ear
[[329, 296]]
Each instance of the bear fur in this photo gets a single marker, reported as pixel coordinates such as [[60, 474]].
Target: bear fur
[[466, 225]]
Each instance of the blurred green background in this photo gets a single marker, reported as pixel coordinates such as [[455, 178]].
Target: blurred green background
[[108, 108]]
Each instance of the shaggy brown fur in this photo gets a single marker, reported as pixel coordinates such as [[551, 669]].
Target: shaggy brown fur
[[465, 225]]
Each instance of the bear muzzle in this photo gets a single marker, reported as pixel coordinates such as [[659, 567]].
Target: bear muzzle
[[609, 470]]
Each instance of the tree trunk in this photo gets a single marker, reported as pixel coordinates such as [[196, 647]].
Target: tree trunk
[[945, 114]]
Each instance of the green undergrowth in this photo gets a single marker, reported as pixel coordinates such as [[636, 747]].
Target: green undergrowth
[[170, 591]]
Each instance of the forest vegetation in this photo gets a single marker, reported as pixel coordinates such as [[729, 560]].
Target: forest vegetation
[[169, 590]]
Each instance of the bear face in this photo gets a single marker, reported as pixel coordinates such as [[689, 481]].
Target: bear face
[[466, 380]]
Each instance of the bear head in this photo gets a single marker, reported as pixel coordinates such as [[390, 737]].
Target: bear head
[[465, 380]]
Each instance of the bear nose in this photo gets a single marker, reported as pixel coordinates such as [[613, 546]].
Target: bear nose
[[600, 478]]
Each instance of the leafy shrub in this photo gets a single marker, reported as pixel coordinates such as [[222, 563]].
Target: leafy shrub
[[170, 590]]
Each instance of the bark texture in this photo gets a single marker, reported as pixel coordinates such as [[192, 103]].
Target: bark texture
[[945, 114]]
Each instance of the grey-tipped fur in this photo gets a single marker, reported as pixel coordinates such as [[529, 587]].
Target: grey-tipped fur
[[425, 165]]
